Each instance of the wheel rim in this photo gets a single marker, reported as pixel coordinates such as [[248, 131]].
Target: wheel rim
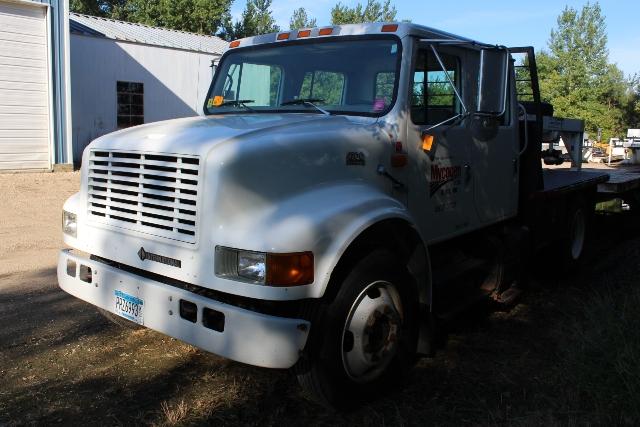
[[578, 228], [372, 331]]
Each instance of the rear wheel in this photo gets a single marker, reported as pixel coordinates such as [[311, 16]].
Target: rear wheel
[[577, 234], [365, 339], [574, 241]]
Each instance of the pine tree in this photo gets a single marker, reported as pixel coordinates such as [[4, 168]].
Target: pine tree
[[576, 76], [256, 19], [374, 11], [299, 19]]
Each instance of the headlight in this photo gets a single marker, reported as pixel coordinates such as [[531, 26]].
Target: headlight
[[291, 269], [252, 265], [69, 224]]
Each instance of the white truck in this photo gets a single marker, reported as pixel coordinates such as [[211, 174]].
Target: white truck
[[347, 188]]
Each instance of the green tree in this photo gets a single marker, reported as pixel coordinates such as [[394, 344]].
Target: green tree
[[373, 11], [300, 19], [576, 76], [196, 16], [95, 7], [256, 19]]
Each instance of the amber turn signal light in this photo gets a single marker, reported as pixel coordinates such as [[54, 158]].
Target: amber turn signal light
[[234, 43], [292, 269], [427, 142]]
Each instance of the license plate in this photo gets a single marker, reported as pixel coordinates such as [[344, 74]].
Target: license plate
[[129, 307]]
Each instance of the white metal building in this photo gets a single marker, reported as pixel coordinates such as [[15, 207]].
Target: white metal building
[[34, 119], [124, 74]]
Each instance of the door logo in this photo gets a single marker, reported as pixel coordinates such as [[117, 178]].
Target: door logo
[[441, 175]]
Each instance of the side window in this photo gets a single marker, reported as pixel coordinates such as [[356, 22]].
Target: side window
[[257, 82], [324, 85], [130, 104], [433, 98]]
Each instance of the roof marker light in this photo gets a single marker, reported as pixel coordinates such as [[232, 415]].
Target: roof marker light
[[234, 43], [326, 31], [304, 33], [390, 28], [283, 36]]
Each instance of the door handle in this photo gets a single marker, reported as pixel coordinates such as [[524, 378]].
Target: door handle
[[467, 173]]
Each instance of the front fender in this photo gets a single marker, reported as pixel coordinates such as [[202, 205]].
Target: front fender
[[324, 220]]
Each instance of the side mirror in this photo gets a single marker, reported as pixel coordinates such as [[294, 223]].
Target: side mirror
[[492, 81]]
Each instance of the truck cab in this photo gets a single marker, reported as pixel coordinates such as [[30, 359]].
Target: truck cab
[[304, 220]]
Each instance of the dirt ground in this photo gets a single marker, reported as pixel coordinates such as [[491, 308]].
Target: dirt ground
[[61, 362]]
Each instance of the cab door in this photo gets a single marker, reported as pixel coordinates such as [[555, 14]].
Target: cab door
[[441, 195], [496, 162]]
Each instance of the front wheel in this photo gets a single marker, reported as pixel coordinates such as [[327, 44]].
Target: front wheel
[[365, 339]]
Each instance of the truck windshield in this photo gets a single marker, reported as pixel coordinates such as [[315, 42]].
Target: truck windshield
[[325, 76]]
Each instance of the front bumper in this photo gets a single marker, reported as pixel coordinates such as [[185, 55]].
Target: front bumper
[[248, 337]]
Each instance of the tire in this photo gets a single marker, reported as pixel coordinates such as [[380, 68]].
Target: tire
[[574, 241], [364, 340], [120, 321]]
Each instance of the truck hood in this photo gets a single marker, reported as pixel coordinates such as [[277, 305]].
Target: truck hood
[[198, 135]]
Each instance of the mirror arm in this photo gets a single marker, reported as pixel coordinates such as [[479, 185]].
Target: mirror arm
[[444, 69], [450, 119]]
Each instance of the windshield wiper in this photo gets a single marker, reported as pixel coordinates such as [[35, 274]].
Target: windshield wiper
[[309, 102], [238, 103]]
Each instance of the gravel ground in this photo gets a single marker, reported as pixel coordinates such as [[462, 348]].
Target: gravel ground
[[61, 362]]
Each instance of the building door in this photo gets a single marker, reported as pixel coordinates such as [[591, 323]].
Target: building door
[[24, 87]]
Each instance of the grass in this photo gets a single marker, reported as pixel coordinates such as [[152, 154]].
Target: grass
[[567, 354], [174, 414], [600, 353]]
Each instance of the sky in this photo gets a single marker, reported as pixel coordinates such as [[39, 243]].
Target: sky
[[511, 23]]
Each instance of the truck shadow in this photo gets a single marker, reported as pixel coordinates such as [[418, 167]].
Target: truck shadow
[[42, 316]]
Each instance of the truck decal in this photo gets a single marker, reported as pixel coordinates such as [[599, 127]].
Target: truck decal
[[441, 175]]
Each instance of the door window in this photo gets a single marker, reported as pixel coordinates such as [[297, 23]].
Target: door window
[[433, 98]]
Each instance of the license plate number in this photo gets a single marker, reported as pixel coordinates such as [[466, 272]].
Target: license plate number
[[129, 307]]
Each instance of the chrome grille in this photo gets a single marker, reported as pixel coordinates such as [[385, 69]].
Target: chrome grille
[[147, 192]]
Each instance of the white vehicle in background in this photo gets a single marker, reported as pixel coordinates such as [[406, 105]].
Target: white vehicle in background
[[632, 143], [348, 189]]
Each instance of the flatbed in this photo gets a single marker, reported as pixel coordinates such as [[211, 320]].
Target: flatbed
[[562, 181], [620, 181], [610, 182]]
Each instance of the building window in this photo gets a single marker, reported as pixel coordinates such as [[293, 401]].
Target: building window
[[130, 104]]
